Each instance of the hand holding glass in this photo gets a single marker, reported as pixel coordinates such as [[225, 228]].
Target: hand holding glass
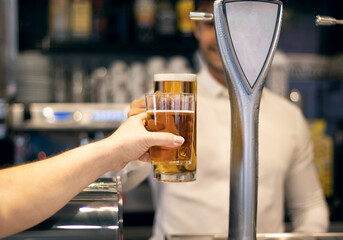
[[174, 113]]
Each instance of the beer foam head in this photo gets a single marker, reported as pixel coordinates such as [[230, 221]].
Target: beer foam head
[[182, 77]]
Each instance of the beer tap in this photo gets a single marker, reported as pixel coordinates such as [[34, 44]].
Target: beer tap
[[247, 33], [327, 21]]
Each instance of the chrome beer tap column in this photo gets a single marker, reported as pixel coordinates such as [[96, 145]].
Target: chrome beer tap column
[[247, 34]]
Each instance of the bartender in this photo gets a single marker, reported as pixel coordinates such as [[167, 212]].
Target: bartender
[[33, 192], [287, 175]]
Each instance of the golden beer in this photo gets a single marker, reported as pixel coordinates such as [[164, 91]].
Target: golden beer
[[179, 122], [178, 83]]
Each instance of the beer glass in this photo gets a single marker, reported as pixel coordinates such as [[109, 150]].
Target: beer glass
[[179, 83], [174, 113]]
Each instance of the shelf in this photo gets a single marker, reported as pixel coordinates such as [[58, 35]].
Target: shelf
[[177, 47], [67, 116]]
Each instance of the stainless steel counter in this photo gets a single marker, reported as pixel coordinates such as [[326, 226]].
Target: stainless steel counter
[[95, 213]]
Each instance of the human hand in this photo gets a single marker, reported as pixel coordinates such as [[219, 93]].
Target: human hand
[[131, 141], [136, 107]]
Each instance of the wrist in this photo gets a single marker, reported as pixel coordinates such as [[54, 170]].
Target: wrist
[[114, 157]]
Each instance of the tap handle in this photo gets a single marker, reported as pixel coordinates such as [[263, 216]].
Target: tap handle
[[327, 21], [201, 16], [247, 35]]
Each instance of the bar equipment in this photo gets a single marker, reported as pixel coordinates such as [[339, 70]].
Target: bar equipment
[[247, 35], [66, 116], [327, 21], [267, 236], [95, 213]]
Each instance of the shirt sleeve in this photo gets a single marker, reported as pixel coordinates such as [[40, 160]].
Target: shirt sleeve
[[133, 174], [304, 197]]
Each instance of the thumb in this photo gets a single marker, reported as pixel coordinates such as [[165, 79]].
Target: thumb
[[164, 139]]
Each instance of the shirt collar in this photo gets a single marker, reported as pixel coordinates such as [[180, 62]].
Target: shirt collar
[[207, 83]]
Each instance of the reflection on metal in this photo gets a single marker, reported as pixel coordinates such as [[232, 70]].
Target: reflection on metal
[[79, 227], [95, 213], [268, 236], [201, 16], [247, 33], [101, 209], [327, 21]]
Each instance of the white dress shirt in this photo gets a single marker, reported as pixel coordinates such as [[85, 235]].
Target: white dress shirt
[[286, 172]]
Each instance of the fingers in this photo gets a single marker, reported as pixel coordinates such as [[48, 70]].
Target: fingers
[[136, 107], [161, 139], [135, 111], [141, 116], [138, 103], [164, 139]]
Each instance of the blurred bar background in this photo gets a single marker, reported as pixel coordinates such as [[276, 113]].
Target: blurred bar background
[[70, 68]]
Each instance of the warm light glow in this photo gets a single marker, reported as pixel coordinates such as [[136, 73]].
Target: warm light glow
[[295, 96], [48, 112], [77, 116]]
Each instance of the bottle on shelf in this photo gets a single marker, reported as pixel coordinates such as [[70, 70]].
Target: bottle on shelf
[[144, 14], [98, 82], [184, 24], [137, 80], [78, 82], [124, 17], [60, 83], [165, 27], [154, 64], [99, 20], [81, 19], [118, 89], [58, 20], [323, 155]]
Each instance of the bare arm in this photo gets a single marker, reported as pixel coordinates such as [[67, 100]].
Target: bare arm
[[33, 192]]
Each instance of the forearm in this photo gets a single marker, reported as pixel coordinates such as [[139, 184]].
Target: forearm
[[33, 192]]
